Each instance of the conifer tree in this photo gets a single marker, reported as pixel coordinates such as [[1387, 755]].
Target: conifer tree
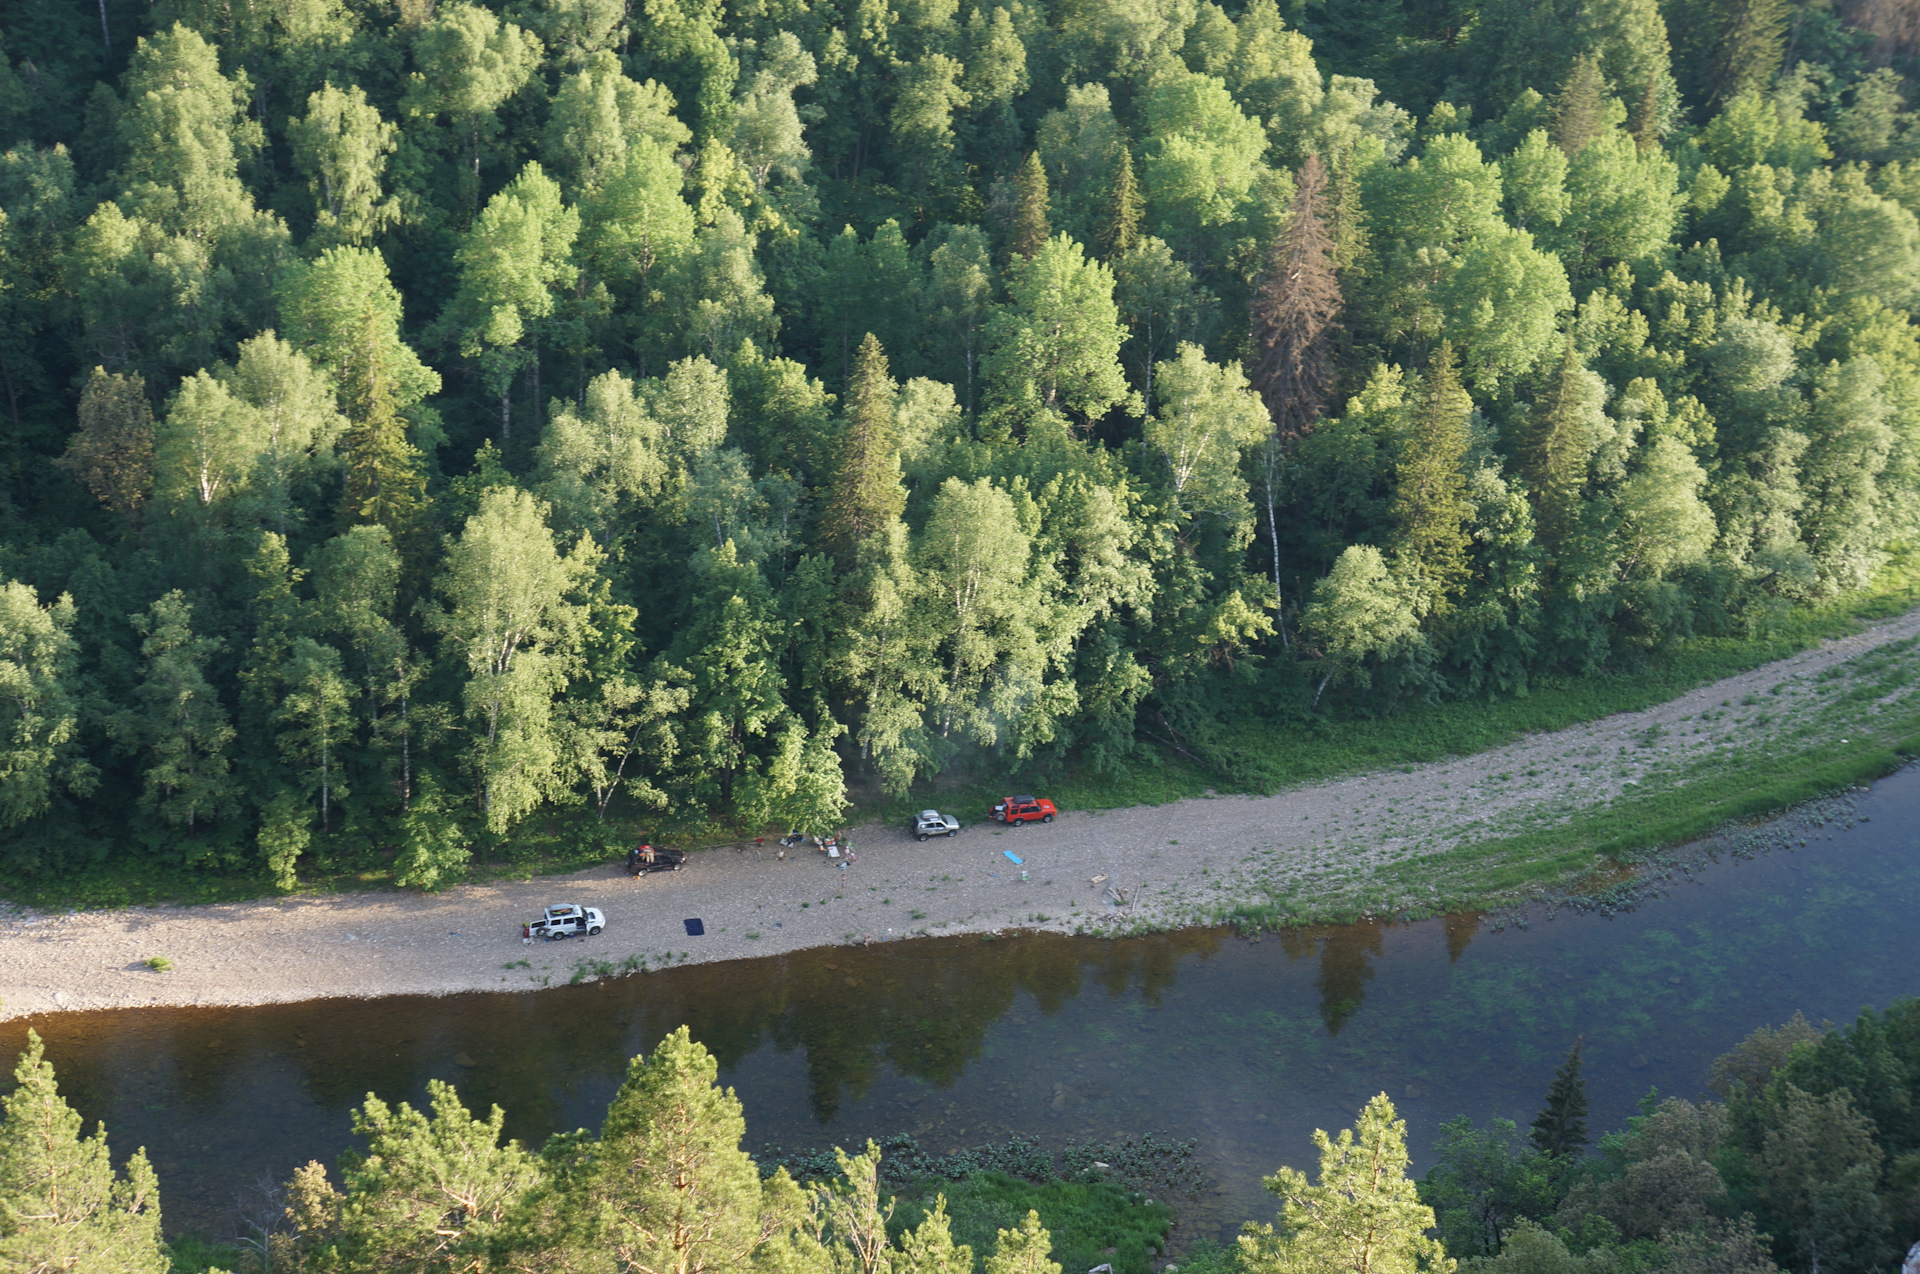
[[1430, 507], [1560, 1129], [62, 1206], [1030, 228], [669, 1190], [1644, 125], [1023, 1250], [180, 726], [1553, 452], [431, 1191], [1579, 112], [1120, 231], [866, 494], [852, 1218], [344, 311], [929, 1247], [1364, 1216], [1295, 310]]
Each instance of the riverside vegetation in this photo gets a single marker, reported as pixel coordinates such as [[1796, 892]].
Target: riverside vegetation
[[1809, 1161], [433, 430]]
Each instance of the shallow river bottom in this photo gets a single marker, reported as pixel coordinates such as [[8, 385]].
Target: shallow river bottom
[[1243, 1046]]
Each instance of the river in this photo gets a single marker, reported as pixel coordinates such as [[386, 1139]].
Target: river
[[1244, 1046]]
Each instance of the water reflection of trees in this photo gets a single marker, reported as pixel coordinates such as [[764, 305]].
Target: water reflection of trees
[[1347, 953], [921, 1009]]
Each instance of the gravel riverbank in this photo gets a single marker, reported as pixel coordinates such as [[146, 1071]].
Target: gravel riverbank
[[1177, 864]]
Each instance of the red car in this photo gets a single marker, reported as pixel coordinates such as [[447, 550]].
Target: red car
[[1015, 810]]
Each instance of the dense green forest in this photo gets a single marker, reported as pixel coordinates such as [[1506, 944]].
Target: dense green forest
[[1808, 1161], [421, 415]]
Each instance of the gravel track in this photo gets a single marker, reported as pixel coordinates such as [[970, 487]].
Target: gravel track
[[1177, 863]]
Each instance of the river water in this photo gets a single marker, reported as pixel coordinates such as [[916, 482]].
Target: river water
[[1243, 1046]]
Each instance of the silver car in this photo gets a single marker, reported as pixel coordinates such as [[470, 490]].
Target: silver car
[[933, 823]]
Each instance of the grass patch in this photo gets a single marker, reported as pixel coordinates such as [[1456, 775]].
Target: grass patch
[[191, 1254], [1091, 1222]]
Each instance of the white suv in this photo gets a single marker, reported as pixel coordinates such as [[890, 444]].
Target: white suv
[[564, 921]]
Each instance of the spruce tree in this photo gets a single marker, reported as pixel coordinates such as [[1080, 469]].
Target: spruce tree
[[1120, 231], [866, 493], [62, 1206], [343, 310], [1560, 1129], [1644, 126], [180, 727], [1579, 111], [1553, 451], [1430, 506], [1294, 311], [1030, 227]]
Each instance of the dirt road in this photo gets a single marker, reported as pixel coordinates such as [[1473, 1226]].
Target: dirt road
[[1175, 863]]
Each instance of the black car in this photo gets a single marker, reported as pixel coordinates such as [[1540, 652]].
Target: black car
[[642, 859]]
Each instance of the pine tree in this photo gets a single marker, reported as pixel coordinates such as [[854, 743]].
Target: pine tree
[[62, 1207], [1365, 1215], [1560, 1129], [929, 1248], [1579, 111], [669, 1189], [851, 1217], [1430, 507], [1294, 311], [1030, 228], [1121, 229], [431, 1191], [1023, 1250], [866, 492]]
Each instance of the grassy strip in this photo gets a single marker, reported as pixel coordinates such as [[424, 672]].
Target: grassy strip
[[1328, 748], [1618, 831], [1499, 870]]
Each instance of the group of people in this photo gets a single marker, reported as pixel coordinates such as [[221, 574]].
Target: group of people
[[640, 857]]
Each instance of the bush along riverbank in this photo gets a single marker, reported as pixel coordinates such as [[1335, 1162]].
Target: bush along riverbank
[[1807, 1159]]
